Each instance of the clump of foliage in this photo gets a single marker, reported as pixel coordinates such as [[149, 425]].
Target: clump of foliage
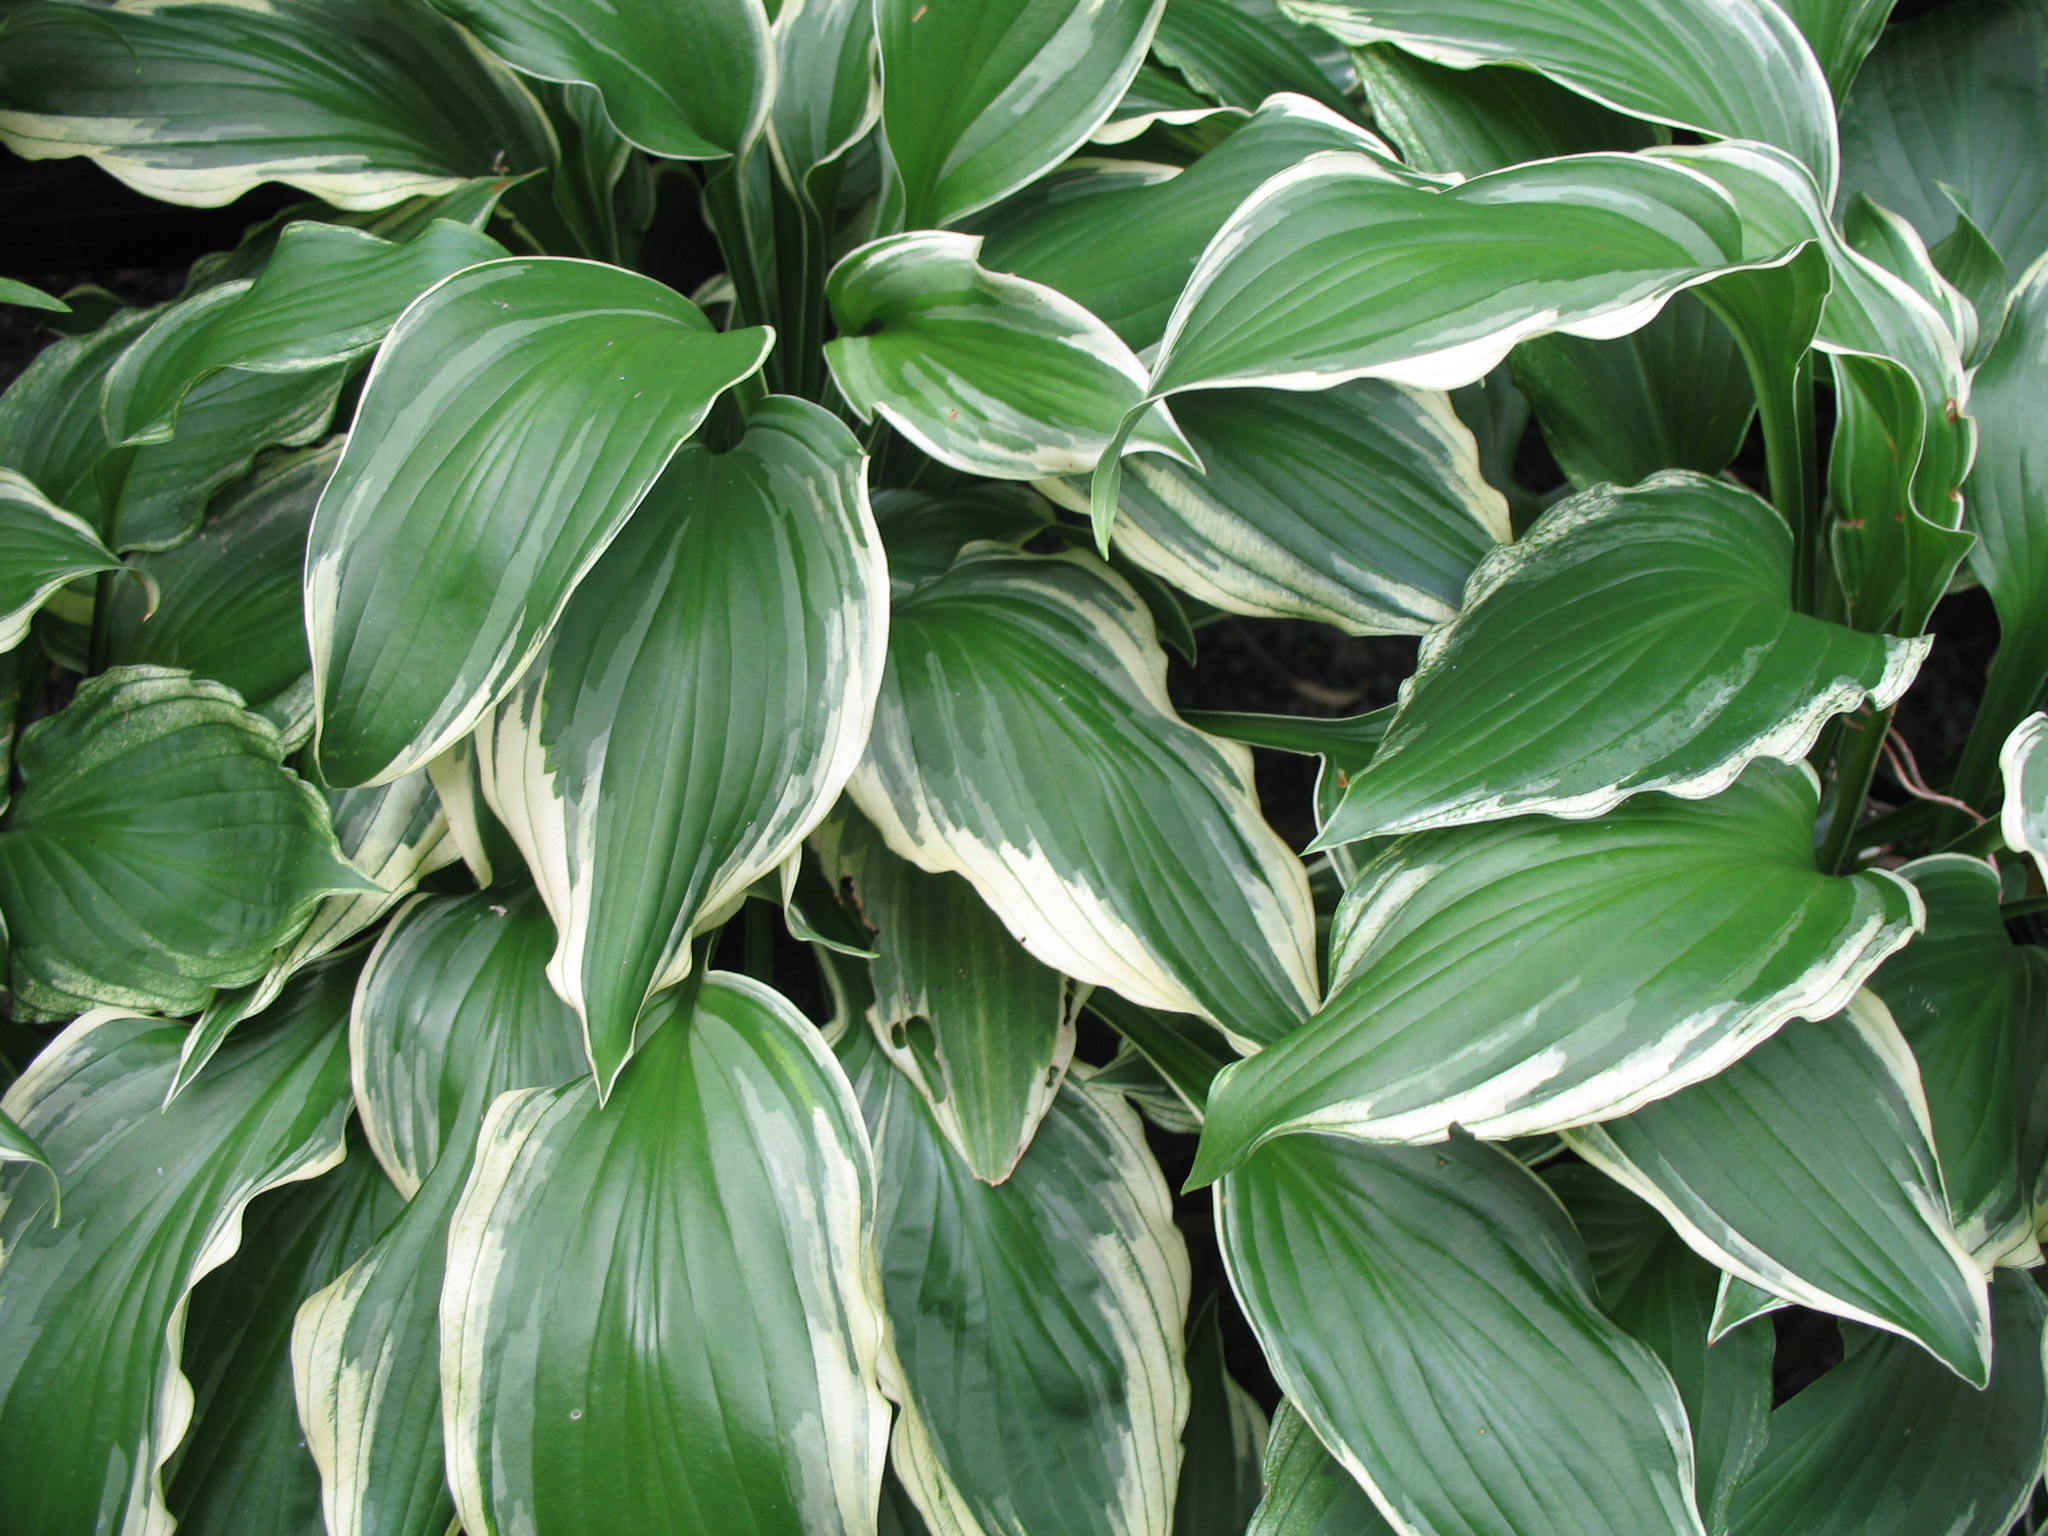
[[428, 633]]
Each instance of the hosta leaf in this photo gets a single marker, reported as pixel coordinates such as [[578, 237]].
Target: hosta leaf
[[454, 1009], [1953, 99], [1965, 997], [1840, 32], [327, 295], [1238, 58], [827, 92], [1663, 1294], [1158, 98], [228, 604], [1523, 976], [1037, 1324], [92, 1398], [245, 1467], [1735, 69], [703, 702], [2024, 819], [1674, 395], [362, 103], [1307, 1492], [1890, 1444], [980, 97], [1409, 1298], [982, 1029], [1120, 238], [1808, 1168], [1673, 658], [700, 1252], [513, 421], [1185, 1053], [17, 1146], [42, 547], [28, 296], [988, 373], [1025, 740], [158, 848], [686, 81], [1223, 1443], [1341, 268], [924, 531], [1361, 506]]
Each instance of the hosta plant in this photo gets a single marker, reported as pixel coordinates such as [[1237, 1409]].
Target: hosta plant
[[614, 920]]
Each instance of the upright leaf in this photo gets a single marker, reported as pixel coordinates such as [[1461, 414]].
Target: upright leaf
[[1223, 1443], [158, 848], [1841, 33], [42, 548], [92, 1395], [686, 81], [827, 92], [1430, 1312], [1037, 1324], [695, 1253], [1024, 739], [513, 421], [980, 97], [2024, 761], [1522, 976], [703, 702], [1673, 658]]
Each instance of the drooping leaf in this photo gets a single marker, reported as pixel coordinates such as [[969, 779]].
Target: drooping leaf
[[1889, 1443], [1409, 1298], [1808, 1168], [1024, 739], [92, 1395], [362, 103], [42, 547], [2024, 762], [1223, 1443], [158, 848], [1361, 506], [327, 295], [988, 373], [1663, 1294], [980, 97], [1037, 1323], [1673, 658], [514, 419], [1307, 1492], [1735, 69], [1954, 99], [455, 1009], [1522, 976], [700, 1252], [703, 702], [245, 1465], [685, 81], [982, 1029], [1965, 996]]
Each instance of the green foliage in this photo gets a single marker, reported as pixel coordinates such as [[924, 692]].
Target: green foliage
[[612, 924]]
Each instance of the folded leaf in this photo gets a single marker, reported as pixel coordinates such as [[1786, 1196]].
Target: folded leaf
[[982, 1029], [327, 295], [1430, 1312], [1673, 658], [1891, 1444], [700, 1251], [513, 421], [703, 702], [988, 373], [2024, 761], [1361, 506], [152, 1202], [1808, 1168], [1523, 976], [1037, 1324], [978, 100], [686, 81], [827, 93], [158, 848], [1024, 739], [362, 103], [1307, 1492], [1736, 69], [42, 547]]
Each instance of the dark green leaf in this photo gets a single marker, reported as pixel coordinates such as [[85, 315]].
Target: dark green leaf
[[1223, 1443], [42, 548], [1307, 1493]]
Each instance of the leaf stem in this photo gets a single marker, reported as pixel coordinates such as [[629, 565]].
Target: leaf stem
[[1862, 744], [2012, 690]]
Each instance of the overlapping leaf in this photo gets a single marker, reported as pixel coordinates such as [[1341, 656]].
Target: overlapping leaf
[[1223, 1444], [513, 421], [695, 1252], [42, 547], [1409, 1298], [1673, 657], [1523, 976], [703, 702], [1024, 740], [1307, 1492]]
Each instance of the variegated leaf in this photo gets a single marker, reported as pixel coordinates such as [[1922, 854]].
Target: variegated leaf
[[42, 547], [2024, 762]]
